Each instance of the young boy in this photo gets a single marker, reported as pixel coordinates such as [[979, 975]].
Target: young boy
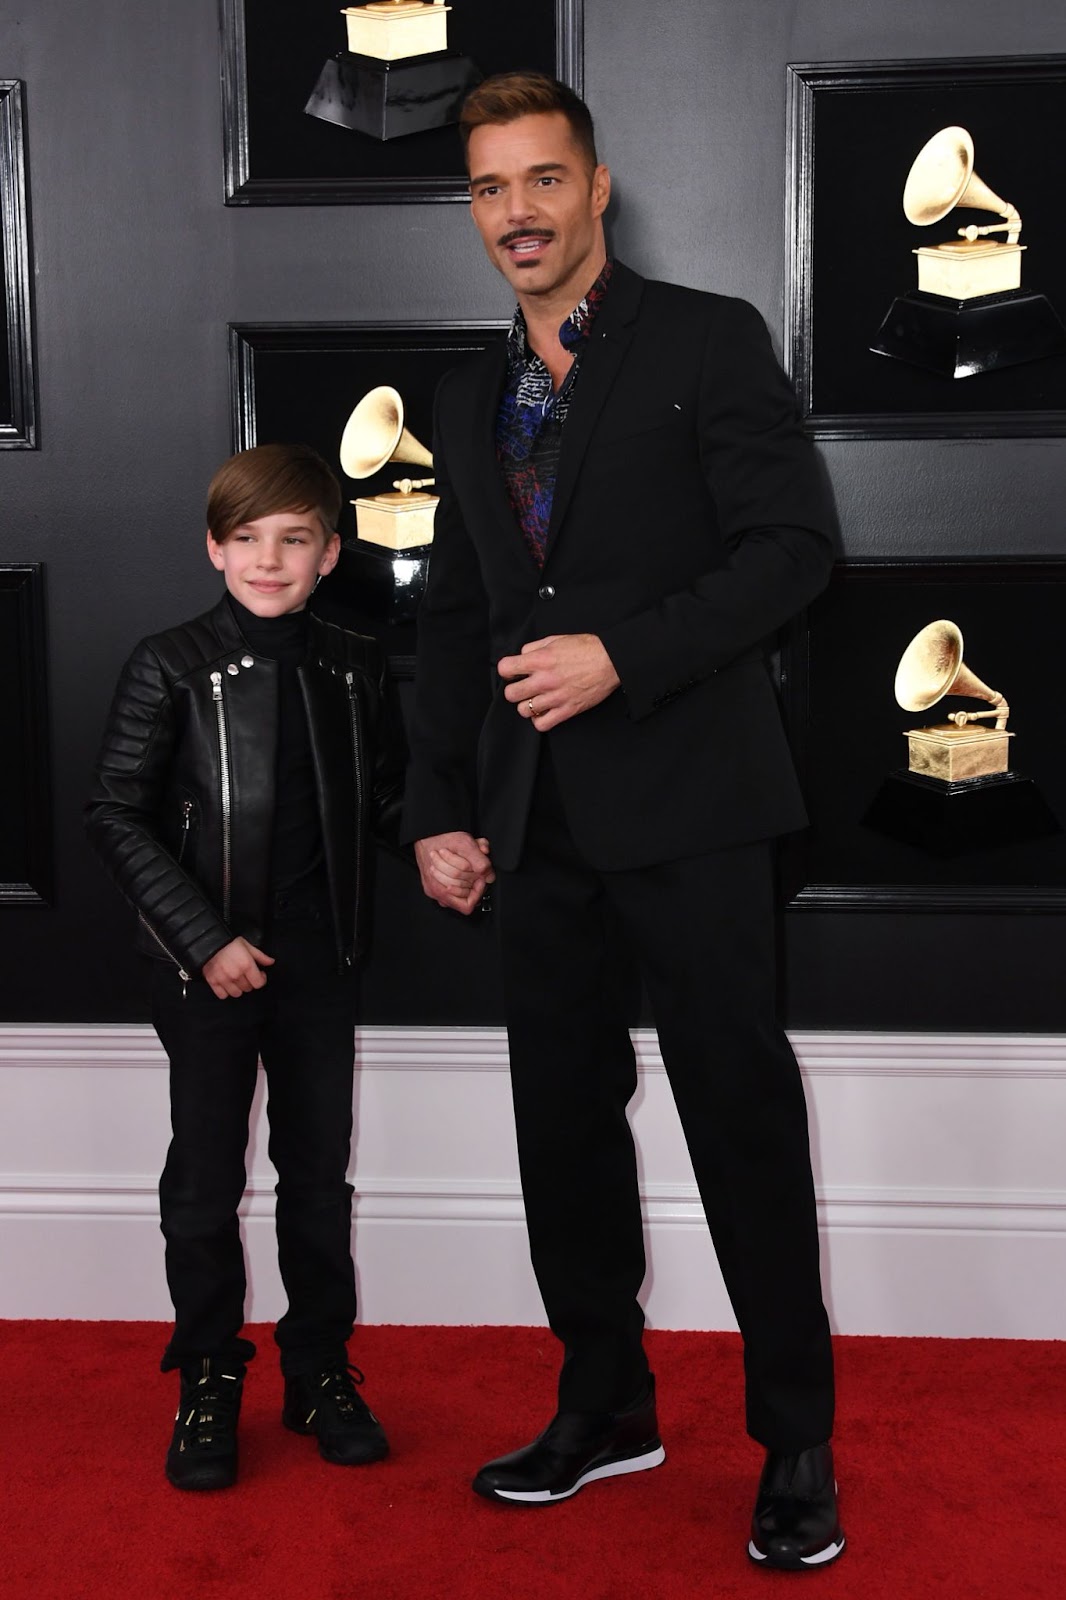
[[247, 755]]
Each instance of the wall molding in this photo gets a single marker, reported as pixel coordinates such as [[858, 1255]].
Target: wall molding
[[937, 1157], [380, 1049], [469, 1200]]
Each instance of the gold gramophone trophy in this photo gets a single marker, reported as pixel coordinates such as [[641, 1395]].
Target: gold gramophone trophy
[[957, 793], [374, 436], [397, 75], [970, 313], [958, 749]]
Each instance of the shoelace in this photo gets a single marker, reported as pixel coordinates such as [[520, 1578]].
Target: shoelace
[[337, 1387], [214, 1402]]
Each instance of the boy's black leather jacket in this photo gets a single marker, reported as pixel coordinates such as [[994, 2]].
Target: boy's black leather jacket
[[182, 803]]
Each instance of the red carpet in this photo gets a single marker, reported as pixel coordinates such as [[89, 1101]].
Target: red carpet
[[951, 1453]]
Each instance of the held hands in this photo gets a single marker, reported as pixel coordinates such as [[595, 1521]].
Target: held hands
[[455, 869], [235, 969], [558, 677]]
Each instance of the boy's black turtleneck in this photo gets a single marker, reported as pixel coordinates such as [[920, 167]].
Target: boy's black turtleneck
[[296, 846]]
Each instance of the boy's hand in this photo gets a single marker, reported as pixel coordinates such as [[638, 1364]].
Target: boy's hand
[[455, 868], [235, 969]]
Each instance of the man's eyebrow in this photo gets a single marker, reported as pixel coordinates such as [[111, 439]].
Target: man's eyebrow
[[536, 170]]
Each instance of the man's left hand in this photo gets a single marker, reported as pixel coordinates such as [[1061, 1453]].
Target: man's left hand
[[558, 677]]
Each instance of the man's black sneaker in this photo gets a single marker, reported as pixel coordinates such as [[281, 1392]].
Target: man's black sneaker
[[203, 1450], [795, 1523], [327, 1404], [577, 1447]]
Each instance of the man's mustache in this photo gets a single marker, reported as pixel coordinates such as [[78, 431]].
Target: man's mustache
[[525, 233]]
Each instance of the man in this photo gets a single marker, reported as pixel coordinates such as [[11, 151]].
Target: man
[[627, 510]]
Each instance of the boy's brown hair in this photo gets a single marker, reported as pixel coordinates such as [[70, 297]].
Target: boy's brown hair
[[267, 478], [510, 95]]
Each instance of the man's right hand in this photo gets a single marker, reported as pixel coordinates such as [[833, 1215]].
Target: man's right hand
[[456, 869]]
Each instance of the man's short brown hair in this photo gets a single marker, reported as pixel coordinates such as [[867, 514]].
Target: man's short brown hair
[[510, 95], [271, 477]]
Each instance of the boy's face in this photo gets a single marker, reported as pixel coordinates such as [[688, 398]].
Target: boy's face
[[271, 565]]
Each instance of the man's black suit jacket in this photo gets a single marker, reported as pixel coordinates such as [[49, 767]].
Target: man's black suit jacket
[[690, 520]]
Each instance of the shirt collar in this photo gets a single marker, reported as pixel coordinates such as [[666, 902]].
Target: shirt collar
[[574, 331]]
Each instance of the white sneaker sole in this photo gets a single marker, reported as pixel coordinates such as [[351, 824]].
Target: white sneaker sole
[[610, 1469], [819, 1559]]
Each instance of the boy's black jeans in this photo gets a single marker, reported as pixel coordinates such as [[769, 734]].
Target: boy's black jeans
[[302, 1024]]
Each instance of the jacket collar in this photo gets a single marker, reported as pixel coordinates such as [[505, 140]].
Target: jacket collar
[[224, 623]]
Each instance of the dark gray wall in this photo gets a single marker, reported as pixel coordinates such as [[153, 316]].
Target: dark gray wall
[[139, 269]]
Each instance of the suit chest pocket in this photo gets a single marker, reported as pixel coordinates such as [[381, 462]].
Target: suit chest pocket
[[660, 425]]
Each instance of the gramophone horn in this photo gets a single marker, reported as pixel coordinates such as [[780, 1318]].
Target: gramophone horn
[[932, 666], [374, 434], [942, 177]]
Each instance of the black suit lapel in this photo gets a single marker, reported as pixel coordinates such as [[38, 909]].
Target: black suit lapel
[[609, 341], [486, 400]]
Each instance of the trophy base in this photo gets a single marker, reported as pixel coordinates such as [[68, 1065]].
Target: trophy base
[[382, 586], [961, 338], [953, 819], [955, 755], [397, 521], [391, 99]]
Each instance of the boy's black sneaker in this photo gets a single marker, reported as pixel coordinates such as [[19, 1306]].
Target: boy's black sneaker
[[327, 1404], [203, 1450]]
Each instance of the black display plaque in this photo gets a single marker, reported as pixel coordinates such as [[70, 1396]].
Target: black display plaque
[[25, 806], [848, 735], [300, 382], [273, 53], [17, 412], [854, 129]]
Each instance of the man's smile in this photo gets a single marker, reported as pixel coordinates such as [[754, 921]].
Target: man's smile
[[526, 244]]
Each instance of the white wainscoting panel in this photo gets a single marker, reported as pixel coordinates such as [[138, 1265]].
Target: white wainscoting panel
[[938, 1164]]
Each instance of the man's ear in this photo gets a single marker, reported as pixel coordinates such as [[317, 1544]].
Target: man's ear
[[214, 552], [601, 190]]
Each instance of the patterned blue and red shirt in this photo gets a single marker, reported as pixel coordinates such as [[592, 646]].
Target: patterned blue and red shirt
[[531, 415]]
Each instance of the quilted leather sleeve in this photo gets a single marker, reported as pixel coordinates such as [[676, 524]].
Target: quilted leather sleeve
[[132, 774]]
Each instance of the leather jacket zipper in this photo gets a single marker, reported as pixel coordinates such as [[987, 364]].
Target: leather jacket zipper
[[182, 974], [224, 781], [186, 823], [360, 797]]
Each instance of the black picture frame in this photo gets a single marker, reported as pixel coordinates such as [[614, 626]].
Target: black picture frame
[[854, 129], [299, 382], [272, 53], [25, 794], [847, 732], [18, 429]]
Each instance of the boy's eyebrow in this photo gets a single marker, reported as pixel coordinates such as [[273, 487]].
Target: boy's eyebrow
[[534, 171]]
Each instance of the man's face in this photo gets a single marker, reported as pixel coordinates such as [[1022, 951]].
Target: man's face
[[271, 565], [537, 206]]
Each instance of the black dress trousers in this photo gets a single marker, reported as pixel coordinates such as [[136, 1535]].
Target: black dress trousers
[[702, 930], [302, 1025]]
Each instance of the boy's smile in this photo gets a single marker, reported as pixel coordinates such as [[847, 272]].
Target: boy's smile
[[271, 565]]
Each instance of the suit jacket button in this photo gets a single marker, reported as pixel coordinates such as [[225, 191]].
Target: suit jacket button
[[547, 591]]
